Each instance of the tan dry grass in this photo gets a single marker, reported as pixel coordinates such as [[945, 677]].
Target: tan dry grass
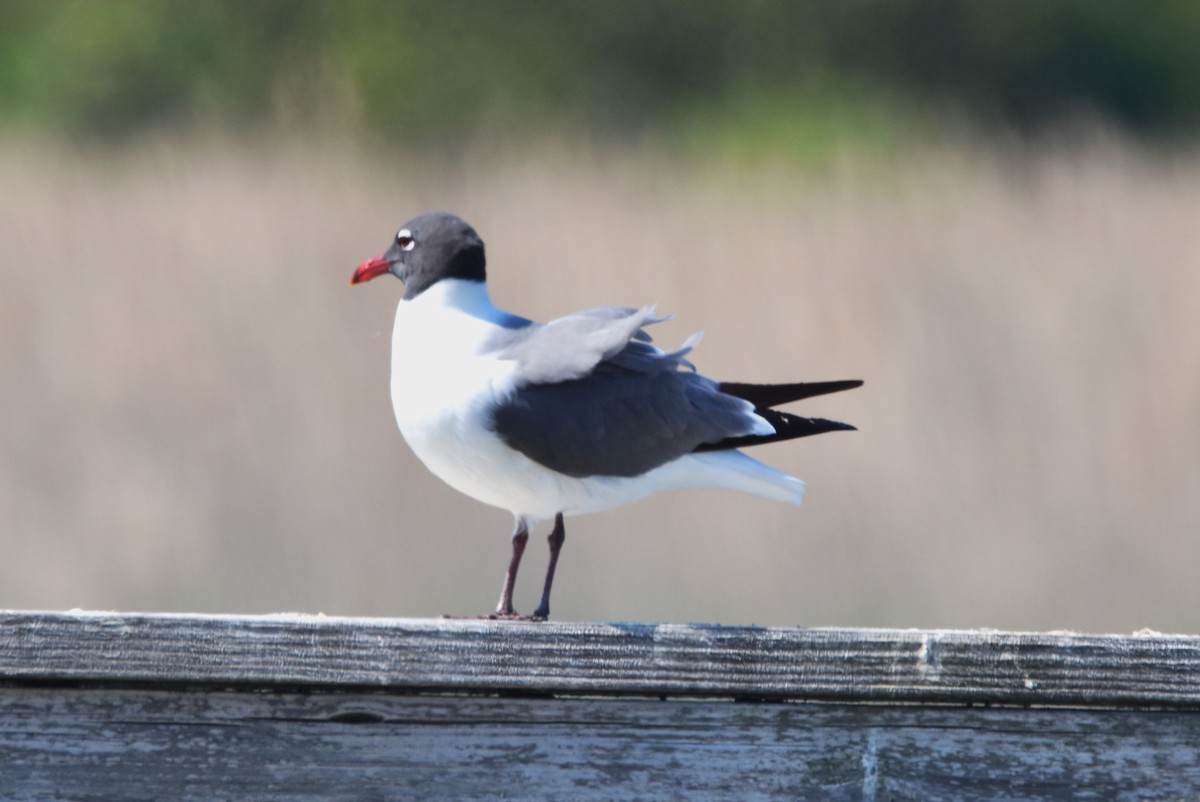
[[196, 412]]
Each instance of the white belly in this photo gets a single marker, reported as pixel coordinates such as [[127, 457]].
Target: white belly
[[449, 430]]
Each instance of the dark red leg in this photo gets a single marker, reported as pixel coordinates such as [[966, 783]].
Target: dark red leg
[[556, 540], [520, 537]]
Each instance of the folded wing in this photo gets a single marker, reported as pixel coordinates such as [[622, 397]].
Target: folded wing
[[591, 396]]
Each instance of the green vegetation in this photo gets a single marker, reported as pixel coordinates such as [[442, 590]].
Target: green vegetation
[[742, 76]]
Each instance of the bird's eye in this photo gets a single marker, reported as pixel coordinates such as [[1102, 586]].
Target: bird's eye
[[405, 240]]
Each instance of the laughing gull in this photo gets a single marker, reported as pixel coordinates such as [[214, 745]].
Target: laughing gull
[[577, 415]]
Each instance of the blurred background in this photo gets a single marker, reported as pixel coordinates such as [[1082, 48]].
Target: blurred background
[[988, 211]]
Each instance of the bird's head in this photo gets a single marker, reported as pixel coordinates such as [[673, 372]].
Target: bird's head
[[426, 250]]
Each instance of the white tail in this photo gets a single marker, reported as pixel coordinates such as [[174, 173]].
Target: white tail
[[733, 470]]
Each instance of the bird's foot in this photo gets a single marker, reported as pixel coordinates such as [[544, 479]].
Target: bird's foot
[[515, 616]]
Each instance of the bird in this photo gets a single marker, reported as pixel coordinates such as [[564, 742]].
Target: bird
[[576, 415]]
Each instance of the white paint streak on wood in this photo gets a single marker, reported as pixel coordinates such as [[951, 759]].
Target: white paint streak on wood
[[928, 666], [870, 766]]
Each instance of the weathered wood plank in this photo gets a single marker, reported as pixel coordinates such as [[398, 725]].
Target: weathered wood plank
[[856, 665], [98, 706], [140, 744]]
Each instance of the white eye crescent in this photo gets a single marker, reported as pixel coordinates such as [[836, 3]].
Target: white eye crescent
[[404, 239]]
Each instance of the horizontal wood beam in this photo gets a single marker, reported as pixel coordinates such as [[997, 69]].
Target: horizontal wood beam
[[102, 743], [563, 659]]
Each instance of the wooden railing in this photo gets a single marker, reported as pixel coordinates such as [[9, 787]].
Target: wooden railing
[[111, 706]]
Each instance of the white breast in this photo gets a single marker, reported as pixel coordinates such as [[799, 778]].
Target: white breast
[[437, 371], [442, 393]]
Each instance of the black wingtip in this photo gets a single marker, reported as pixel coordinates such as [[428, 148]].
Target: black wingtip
[[772, 395], [787, 427]]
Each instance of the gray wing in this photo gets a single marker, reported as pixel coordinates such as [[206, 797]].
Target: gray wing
[[571, 346], [594, 398]]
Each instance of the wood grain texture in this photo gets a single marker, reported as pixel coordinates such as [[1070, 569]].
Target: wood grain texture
[[102, 744], [101, 706], [674, 660]]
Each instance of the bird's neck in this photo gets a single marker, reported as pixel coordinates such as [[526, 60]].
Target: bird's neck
[[458, 295], [462, 297]]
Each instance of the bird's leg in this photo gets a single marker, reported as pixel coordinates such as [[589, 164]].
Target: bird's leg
[[520, 537], [555, 539]]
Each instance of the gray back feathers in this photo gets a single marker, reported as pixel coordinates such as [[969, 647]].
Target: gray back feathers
[[594, 398]]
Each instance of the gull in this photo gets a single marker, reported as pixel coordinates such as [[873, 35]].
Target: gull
[[577, 415]]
